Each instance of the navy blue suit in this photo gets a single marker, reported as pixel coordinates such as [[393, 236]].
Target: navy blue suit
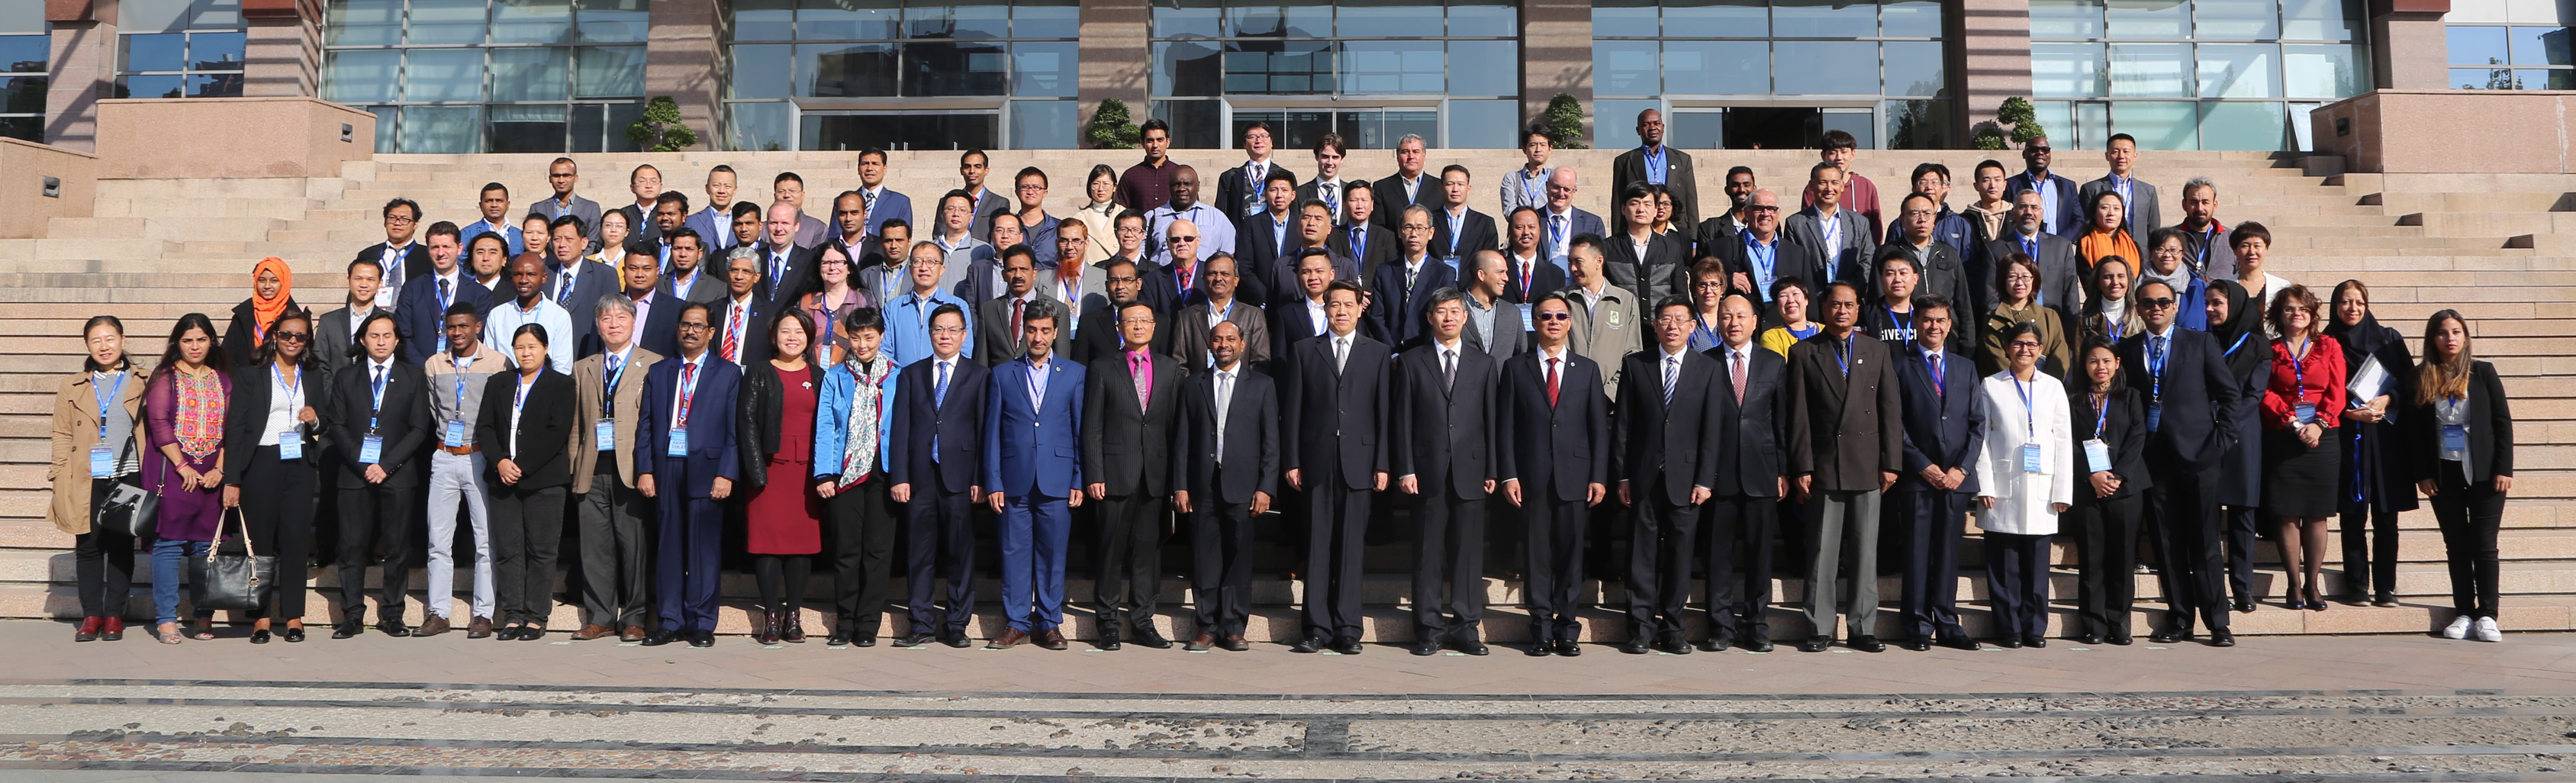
[[1395, 311], [1941, 426], [422, 322], [2063, 218], [692, 529], [2190, 406], [1033, 456], [937, 446]]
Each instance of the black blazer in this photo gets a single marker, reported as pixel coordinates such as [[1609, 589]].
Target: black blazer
[[1390, 201], [957, 424], [1844, 430], [1123, 446], [422, 323], [1476, 232], [403, 422], [658, 331], [1749, 461], [1257, 256], [1383, 248], [1251, 438], [2124, 430], [545, 430], [1564, 447], [2490, 430], [1099, 336], [1946, 276], [2200, 394], [757, 315], [246, 413], [1234, 190], [1677, 439], [1395, 312], [1544, 277], [1663, 272], [241, 334], [1289, 326], [596, 280], [757, 413], [1337, 418], [1940, 429], [1444, 431]]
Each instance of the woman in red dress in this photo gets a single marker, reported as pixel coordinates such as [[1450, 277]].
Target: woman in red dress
[[777, 442]]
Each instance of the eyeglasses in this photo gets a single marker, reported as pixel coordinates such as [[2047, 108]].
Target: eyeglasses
[[1552, 317], [398, 220], [1673, 319], [947, 330], [1029, 186], [1179, 239], [2024, 345], [1128, 279], [1762, 208], [2157, 303]]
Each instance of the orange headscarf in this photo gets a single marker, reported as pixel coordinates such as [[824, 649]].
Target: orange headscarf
[[267, 309]]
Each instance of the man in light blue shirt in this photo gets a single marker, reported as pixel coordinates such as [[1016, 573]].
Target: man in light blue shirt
[[528, 274], [1216, 231], [907, 316]]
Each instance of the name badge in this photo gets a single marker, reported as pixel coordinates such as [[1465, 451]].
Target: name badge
[[2097, 454], [2155, 416], [290, 444], [2030, 461], [606, 433], [102, 463], [679, 444], [1527, 325], [456, 434], [371, 450], [2304, 413], [2455, 437]]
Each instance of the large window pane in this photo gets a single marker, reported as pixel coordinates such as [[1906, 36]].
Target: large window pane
[[216, 14], [1195, 124], [449, 22], [363, 23], [443, 75], [1304, 19], [1910, 19], [1826, 68], [2540, 46], [957, 19], [23, 18], [154, 52], [1393, 67], [2092, 125], [1624, 19], [1044, 69], [1701, 129], [902, 131], [612, 21], [847, 19], [2477, 45], [2240, 71], [845, 70], [2151, 70], [1918, 125], [1188, 68], [1045, 125], [2242, 126], [2330, 71], [955, 69], [25, 53], [758, 126], [215, 51], [215, 85], [764, 20], [2159, 125], [525, 129], [2065, 18], [531, 74], [442, 129], [1389, 17], [167, 85], [1719, 67], [2149, 18], [1856, 123], [2258, 19], [760, 71], [1718, 18], [1823, 19], [1915, 68], [1614, 124], [2069, 70], [361, 76], [2321, 20], [1185, 19], [1483, 124], [1424, 123], [2482, 79], [1046, 19], [609, 72], [1278, 67], [152, 16], [1484, 18], [1484, 68], [1625, 68], [532, 21]]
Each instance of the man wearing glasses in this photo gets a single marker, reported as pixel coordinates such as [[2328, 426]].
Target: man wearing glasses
[[908, 316], [1754, 253], [935, 451], [1037, 228], [1240, 191], [1939, 272], [401, 258], [2189, 393], [1127, 282]]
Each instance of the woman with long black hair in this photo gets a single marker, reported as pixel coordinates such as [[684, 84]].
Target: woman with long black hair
[[2110, 426], [269, 426], [184, 406], [2375, 484], [2460, 443]]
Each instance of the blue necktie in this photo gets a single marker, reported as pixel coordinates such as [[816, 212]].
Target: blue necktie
[[938, 397]]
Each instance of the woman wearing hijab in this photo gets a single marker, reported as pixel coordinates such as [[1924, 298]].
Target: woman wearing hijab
[[2373, 489], [272, 293], [2238, 324]]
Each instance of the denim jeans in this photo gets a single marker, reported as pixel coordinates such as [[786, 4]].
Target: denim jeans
[[169, 563]]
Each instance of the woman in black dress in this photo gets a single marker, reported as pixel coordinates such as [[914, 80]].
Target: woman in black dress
[[2375, 482]]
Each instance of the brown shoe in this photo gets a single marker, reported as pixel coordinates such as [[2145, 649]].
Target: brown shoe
[[631, 633], [433, 626], [589, 632], [1009, 638], [1053, 639], [1201, 642], [480, 628], [1237, 643]]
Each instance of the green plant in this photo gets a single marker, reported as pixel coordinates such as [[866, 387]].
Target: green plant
[[1110, 128], [2020, 116], [1563, 122], [661, 129]]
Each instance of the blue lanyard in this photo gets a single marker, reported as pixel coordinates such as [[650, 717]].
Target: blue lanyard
[[2101, 414], [608, 400], [1764, 257], [2029, 413], [2156, 360], [2298, 376], [376, 395], [113, 394], [2240, 343], [1359, 242], [461, 365], [1456, 227], [2208, 237], [1654, 160], [1530, 188], [1842, 355]]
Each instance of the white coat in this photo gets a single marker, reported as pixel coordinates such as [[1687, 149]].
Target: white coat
[[2023, 498]]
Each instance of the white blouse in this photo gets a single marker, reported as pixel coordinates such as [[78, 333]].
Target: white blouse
[[2023, 498]]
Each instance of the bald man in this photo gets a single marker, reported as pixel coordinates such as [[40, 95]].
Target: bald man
[[1560, 222]]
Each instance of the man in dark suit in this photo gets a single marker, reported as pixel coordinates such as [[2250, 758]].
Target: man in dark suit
[[656, 327], [1193, 329], [1407, 187], [935, 455], [2190, 395], [645, 182], [1335, 416], [1844, 448], [741, 319], [379, 420], [1654, 163], [1528, 271], [670, 214], [1749, 473], [1667, 442], [1722, 226], [1561, 221], [401, 258], [1754, 255], [691, 276], [1442, 446], [1401, 291], [2061, 284], [1655, 270], [999, 318], [1130, 409], [1826, 242], [561, 176], [1032, 477], [882, 204], [1552, 430], [1942, 421], [1459, 232], [1273, 232], [1231, 418], [2062, 204], [335, 333], [1241, 190], [687, 427], [1127, 283], [2145, 211], [574, 283], [421, 308], [1363, 240], [1306, 316], [784, 264]]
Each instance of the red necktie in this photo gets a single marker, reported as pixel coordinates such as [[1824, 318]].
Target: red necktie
[[1136, 370], [733, 336], [1551, 383], [1016, 305]]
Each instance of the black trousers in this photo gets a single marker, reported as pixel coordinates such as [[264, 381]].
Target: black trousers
[[2183, 507], [616, 585], [2106, 557], [1448, 563], [1337, 520], [277, 509], [103, 560], [1737, 595], [1127, 561], [2017, 575], [1553, 534], [1660, 548], [1928, 582], [858, 535], [1221, 564], [372, 514], [2469, 516], [2241, 534], [940, 544], [781, 580], [2369, 533], [527, 532]]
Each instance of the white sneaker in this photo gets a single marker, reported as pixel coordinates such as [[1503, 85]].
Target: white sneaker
[[2487, 631], [2458, 629]]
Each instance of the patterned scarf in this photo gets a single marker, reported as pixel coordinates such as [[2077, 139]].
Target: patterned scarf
[[859, 449]]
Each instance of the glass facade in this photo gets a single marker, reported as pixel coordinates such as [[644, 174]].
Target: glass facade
[[489, 75], [2498, 45], [2193, 74], [26, 51], [902, 74], [1369, 70], [1772, 73], [179, 49]]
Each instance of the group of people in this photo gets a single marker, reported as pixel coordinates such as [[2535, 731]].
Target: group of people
[[1697, 394]]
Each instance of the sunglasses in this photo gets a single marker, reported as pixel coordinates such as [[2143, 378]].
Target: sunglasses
[[293, 337], [2158, 303], [1553, 317]]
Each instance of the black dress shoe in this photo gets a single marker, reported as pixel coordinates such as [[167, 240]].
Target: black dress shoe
[[1673, 646], [2123, 640], [1541, 649], [531, 633], [1568, 648], [1816, 644], [2168, 636], [911, 640], [1917, 644], [836, 638], [2008, 643], [2244, 606], [864, 641], [1759, 643], [1868, 644], [2222, 638], [508, 633], [1111, 644], [1425, 647], [1311, 644], [259, 636], [1716, 642], [659, 638], [394, 628], [2034, 640], [1153, 638], [1634, 646], [1961, 642], [1473, 647], [957, 640], [702, 639], [1347, 645], [344, 630], [293, 635], [2090, 639]]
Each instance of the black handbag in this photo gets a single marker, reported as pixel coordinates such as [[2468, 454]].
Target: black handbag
[[223, 581], [128, 506]]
